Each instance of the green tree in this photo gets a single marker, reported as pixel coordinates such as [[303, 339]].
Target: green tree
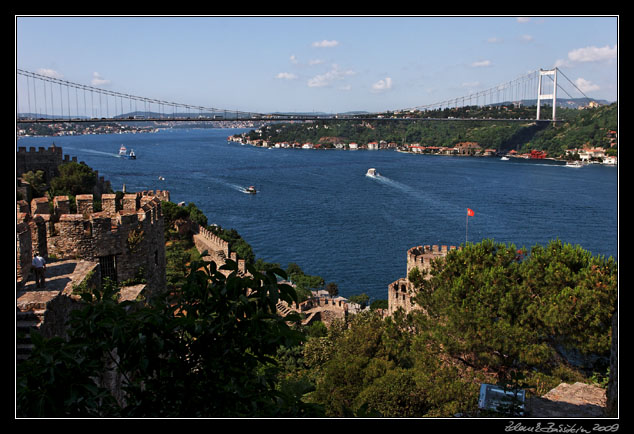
[[372, 367], [361, 299], [304, 283], [37, 182], [74, 178], [491, 305], [379, 304], [333, 289], [173, 212]]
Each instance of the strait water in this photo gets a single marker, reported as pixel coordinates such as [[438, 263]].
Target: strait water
[[319, 210]]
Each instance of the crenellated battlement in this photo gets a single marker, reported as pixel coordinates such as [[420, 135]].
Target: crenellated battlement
[[127, 234], [133, 208], [45, 159], [48, 160], [422, 256], [218, 250], [53, 151]]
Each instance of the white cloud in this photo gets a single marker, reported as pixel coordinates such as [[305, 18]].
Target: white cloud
[[327, 78], [585, 85], [523, 19], [593, 54], [325, 43], [286, 76], [526, 38], [493, 40], [315, 62], [49, 73], [588, 54], [382, 85], [293, 59], [481, 63], [98, 80]]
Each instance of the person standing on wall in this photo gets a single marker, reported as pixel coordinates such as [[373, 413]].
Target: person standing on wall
[[39, 267]]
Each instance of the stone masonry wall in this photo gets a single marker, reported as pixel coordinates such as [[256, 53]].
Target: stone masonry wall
[[23, 254], [401, 292], [218, 250], [133, 236], [48, 161]]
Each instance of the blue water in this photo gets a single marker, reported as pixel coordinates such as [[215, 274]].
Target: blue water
[[319, 210]]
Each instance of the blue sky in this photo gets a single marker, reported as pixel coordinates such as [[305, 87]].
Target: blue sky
[[329, 64]]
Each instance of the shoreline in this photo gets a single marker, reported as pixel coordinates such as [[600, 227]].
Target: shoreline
[[295, 145]]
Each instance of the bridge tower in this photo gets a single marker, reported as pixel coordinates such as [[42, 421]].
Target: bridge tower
[[552, 95]]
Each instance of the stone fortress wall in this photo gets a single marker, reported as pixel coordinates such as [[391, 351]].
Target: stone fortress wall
[[218, 250], [48, 161], [129, 242], [401, 292], [123, 241]]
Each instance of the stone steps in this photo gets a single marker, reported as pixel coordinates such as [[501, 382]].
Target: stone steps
[[26, 321], [283, 309]]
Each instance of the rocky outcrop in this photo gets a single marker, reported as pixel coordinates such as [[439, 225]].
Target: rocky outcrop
[[577, 400]]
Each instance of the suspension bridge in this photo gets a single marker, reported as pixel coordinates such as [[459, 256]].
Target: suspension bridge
[[44, 99]]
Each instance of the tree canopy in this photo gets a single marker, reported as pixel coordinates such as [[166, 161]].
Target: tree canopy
[[494, 306]]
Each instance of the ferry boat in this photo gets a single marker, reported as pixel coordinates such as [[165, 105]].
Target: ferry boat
[[372, 172], [251, 190], [123, 152]]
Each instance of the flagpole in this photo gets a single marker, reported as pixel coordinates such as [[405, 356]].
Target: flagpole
[[466, 234]]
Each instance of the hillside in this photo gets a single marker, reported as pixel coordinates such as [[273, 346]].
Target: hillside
[[588, 127]]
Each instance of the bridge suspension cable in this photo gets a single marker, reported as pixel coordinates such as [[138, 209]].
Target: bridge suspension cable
[[138, 107], [520, 89], [42, 98]]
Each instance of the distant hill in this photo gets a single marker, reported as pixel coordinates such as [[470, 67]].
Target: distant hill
[[561, 102]]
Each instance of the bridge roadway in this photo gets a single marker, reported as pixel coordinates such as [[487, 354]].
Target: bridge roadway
[[274, 118]]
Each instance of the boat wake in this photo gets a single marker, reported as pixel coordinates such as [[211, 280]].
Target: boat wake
[[236, 187], [423, 196], [109, 154], [390, 182]]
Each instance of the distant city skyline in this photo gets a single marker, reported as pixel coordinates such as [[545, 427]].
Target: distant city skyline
[[322, 64]]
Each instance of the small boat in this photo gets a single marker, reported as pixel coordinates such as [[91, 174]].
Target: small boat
[[504, 158], [132, 155], [372, 172], [160, 178], [123, 152], [574, 164], [251, 190]]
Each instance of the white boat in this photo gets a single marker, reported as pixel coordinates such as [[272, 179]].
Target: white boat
[[132, 155], [574, 164], [504, 158], [251, 190], [372, 172], [123, 152]]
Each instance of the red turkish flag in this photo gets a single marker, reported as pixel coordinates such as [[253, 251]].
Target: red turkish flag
[[470, 212]]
